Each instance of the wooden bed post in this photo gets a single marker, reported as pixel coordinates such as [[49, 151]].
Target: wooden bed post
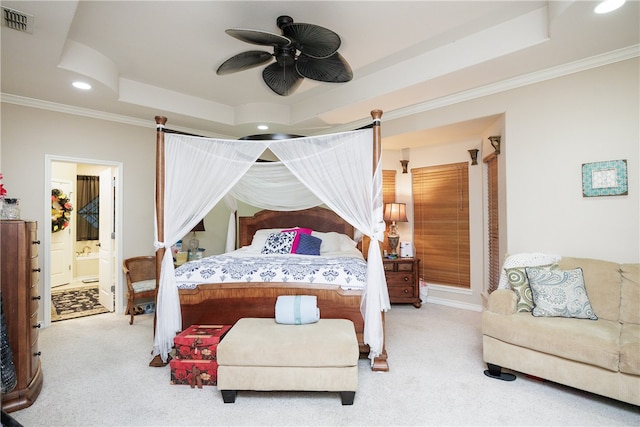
[[377, 138], [379, 363], [160, 122]]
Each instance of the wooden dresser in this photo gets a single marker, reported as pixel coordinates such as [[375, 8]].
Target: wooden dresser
[[402, 280], [19, 275]]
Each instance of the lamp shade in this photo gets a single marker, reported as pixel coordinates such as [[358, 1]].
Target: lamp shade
[[199, 226], [395, 212]]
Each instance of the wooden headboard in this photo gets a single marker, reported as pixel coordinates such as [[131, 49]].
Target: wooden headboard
[[318, 219]]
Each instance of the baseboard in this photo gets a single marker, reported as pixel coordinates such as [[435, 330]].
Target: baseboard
[[455, 304]]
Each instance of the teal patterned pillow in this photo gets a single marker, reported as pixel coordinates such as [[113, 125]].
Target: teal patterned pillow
[[559, 293], [517, 278]]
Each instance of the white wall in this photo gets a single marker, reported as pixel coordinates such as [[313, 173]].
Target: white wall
[[550, 129]]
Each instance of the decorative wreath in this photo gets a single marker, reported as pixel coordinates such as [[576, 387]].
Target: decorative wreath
[[60, 210]]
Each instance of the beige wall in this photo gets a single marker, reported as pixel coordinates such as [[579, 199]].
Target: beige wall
[[550, 129]]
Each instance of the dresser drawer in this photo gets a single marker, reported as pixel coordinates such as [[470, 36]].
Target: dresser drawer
[[35, 272]]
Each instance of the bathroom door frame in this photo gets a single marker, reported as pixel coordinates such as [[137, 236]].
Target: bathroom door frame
[[45, 306]]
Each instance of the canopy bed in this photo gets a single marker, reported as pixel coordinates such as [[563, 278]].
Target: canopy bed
[[332, 170]]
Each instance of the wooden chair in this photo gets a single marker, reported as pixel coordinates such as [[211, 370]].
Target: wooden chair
[[141, 280]]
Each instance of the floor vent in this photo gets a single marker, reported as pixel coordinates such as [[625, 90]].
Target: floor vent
[[17, 20]]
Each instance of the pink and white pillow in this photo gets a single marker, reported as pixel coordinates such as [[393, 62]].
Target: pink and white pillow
[[296, 241]]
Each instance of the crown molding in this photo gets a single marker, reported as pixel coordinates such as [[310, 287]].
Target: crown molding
[[505, 85], [491, 89]]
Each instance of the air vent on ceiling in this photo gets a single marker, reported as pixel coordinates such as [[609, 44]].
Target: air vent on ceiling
[[17, 20]]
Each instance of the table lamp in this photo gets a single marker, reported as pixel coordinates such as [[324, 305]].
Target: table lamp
[[194, 243], [394, 212]]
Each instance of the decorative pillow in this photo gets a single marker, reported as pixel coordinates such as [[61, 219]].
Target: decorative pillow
[[299, 231], [517, 278], [279, 243], [308, 245], [559, 293], [260, 237]]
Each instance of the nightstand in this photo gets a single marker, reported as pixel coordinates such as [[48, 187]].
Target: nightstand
[[402, 280]]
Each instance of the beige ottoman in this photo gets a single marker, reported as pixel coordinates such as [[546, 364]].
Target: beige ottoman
[[262, 355]]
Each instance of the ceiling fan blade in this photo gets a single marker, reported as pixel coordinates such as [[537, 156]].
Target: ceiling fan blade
[[312, 40], [243, 61], [334, 69], [283, 80], [262, 38]]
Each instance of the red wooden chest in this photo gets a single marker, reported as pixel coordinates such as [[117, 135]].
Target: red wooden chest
[[195, 373], [199, 342]]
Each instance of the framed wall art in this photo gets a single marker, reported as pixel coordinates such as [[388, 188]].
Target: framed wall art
[[607, 178]]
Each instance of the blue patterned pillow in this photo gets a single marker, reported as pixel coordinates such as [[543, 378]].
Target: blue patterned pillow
[[279, 243], [559, 293], [308, 245]]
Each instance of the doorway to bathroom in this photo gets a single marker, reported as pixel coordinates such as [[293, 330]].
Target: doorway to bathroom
[[81, 248]]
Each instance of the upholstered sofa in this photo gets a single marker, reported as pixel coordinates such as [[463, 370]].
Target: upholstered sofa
[[600, 356]]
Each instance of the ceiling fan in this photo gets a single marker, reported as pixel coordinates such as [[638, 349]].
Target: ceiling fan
[[303, 50]]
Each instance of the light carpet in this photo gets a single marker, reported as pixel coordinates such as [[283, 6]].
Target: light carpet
[[96, 373]]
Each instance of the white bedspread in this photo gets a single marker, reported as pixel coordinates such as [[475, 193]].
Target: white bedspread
[[349, 272]]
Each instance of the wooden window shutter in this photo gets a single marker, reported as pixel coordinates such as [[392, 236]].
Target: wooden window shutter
[[441, 223], [493, 222], [388, 186]]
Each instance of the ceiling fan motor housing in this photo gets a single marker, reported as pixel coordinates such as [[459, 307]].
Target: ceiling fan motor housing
[[283, 21], [285, 56]]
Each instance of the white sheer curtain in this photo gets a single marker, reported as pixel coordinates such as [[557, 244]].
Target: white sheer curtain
[[232, 205], [271, 185], [191, 190], [336, 169]]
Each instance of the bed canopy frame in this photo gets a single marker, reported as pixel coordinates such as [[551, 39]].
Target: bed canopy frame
[[378, 356]]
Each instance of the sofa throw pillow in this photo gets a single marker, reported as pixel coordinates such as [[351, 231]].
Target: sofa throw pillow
[[559, 293], [279, 243], [308, 245], [518, 281]]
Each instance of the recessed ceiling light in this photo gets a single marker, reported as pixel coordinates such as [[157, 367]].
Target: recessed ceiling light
[[81, 85], [263, 127], [607, 6]]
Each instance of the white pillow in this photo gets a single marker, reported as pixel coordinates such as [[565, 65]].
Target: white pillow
[[334, 242]]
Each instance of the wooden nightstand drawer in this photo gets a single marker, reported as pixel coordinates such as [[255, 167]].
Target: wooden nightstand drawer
[[406, 291], [405, 266], [399, 279]]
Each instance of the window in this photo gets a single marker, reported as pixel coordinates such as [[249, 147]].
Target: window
[[493, 235], [441, 223]]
